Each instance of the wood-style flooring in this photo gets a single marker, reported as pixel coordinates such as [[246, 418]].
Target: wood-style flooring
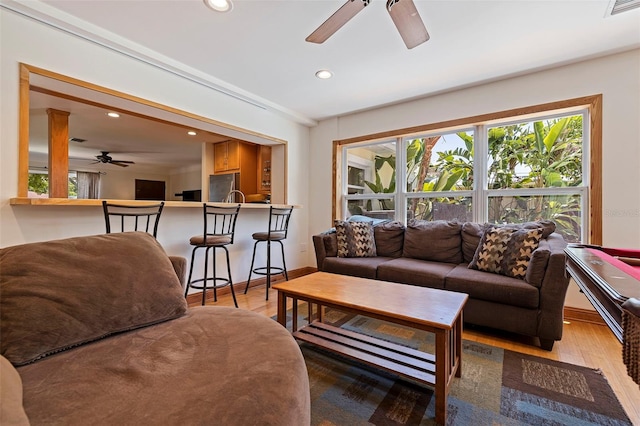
[[583, 343]]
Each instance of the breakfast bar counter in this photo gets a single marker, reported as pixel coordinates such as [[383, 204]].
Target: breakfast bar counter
[[25, 201]]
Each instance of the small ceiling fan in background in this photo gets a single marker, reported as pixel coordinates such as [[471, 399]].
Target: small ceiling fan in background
[[107, 159], [403, 13]]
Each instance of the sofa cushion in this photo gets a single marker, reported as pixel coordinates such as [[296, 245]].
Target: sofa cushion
[[389, 239], [330, 241], [492, 287], [355, 239], [364, 267], [214, 365], [506, 251], [538, 264], [438, 241], [548, 226], [11, 410], [423, 273], [471, 234], [59, 294]]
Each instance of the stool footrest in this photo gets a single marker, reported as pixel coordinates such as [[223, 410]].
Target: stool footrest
[[223, 283], [275, 270]]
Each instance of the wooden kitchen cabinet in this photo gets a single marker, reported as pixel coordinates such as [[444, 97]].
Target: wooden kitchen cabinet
[[238, 157], [226, 156]]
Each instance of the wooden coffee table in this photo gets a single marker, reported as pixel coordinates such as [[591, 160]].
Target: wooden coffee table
[[436, 311]]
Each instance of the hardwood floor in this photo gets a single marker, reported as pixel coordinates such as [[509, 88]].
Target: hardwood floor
[[586, 344]]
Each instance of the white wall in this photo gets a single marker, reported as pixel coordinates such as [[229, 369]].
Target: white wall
[[23, 40], [616, 77], [121, 185], [184, 179]]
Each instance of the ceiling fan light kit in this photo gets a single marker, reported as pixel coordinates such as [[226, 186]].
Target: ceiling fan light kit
[[105, 158], [404, 14]]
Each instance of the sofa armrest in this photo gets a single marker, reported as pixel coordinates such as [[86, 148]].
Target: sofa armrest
[[553, 290], [179, 264], [11, 408], [325, 245], [321, 253]]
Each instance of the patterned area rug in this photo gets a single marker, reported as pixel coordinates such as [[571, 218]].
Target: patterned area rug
[[497, 387]]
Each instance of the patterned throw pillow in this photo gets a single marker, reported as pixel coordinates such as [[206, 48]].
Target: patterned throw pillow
[[355, 239], [506, 251]]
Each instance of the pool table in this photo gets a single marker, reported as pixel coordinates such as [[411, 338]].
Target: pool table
[[608, 277]]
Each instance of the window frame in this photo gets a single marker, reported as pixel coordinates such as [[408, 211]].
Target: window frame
[[590, 192]]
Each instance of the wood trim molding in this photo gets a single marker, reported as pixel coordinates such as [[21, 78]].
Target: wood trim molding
[[195, 299], [122, 95], [27, 73], [523, 113], [23, 134], [595, 178], [593, 103], [583, 315], [335, 191]]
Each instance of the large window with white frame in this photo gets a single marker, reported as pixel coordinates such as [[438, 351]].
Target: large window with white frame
[[510, 169]]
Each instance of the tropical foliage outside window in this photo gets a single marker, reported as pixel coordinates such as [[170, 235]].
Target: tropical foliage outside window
[[507, 172], [39, 184]]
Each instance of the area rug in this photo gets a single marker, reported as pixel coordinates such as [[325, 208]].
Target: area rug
[[497, 387]]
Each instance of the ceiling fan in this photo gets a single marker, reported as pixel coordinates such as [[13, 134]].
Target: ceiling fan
[[107, 159], [403, 13]]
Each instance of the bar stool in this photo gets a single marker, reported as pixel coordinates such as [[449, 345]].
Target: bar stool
[[146, 213], [219, 229], [277, 232]]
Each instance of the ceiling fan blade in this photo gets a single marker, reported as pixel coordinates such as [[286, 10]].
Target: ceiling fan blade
[[121, 163], [337, 20], [408, 22]]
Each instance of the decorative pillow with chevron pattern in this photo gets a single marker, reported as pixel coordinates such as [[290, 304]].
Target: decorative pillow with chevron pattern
[[355, 239], [506, 251]]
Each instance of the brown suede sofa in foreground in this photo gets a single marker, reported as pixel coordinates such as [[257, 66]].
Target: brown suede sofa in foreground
[[438, 254], [95, 331]]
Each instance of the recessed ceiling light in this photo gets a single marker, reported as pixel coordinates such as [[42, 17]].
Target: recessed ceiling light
[[113, 114], [219, 5], [324, 74], [191, 133]]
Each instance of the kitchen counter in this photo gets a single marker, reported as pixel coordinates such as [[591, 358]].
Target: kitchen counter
[[24, 201]]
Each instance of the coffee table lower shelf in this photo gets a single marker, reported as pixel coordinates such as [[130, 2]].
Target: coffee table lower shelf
[[388, 356]]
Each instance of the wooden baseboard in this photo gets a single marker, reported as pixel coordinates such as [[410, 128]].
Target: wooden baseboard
[[193, 299], [582, 315], [196, 298]]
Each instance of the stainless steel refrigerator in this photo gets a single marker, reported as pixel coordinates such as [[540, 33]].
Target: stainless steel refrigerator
[[221, 185]]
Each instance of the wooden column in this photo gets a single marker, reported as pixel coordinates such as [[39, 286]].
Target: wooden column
[[23, 150], [58, 153]]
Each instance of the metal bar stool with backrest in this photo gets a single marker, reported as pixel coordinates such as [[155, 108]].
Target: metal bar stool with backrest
[[277, 232], [219, 230], [132, 217]]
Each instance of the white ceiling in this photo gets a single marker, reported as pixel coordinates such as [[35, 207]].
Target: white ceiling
[[259, 47], [258, 50], [151, 144]]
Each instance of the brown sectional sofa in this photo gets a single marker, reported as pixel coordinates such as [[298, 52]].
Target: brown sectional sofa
[[437, 255], [96, 330]]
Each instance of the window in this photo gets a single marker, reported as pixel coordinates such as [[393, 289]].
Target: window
[[39, 184], [371, 172], [508, 167]]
